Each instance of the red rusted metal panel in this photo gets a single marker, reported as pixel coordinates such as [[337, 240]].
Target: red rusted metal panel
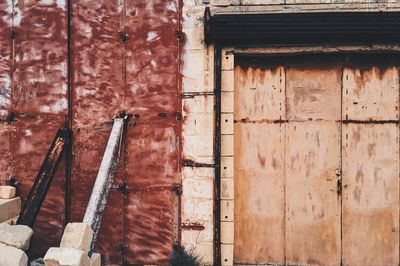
[[98, 61], [149, 227], [5, 152], [5, 56]]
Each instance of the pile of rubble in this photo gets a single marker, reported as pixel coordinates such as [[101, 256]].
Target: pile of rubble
[[74, 248], [14, 239]]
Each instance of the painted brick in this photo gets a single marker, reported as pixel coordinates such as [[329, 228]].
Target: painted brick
[[225, 2], [198, 146], [263, 2], [227, 210], [227, 80], [227, 123], [205, 252], [227, 188], [198, 188], [226, 254], [204, 123], [197, 210], [198, 104], [227, 99], [227, 166], [226, 145], [227, 232], [193, 237]]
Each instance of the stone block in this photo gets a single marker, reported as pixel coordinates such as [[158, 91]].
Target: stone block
[[78, 236], [18, 236], [11, 256], [7, 192], [95, 260], [12, 220], [9, 208], [64, 256]]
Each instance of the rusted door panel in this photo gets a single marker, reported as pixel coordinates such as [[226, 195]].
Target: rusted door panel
[[313, 88], [149, 226], [371, 194], [40, 74], [98, 61], [6, 62], [30, 141], [259, 193], [260, 93], [370, 93], [312, 202]]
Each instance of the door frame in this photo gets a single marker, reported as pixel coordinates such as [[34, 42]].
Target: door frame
[[224, 63]]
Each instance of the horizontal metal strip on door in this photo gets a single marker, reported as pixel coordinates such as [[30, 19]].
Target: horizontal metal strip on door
[[302, 28]]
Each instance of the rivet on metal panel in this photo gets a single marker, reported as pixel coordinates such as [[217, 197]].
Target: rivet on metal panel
[[162, 115], [123, 36], [177, 189], [13, 34], [178, 116]]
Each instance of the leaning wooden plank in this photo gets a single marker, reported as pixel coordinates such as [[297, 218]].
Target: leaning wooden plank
[[44, 178], [98, 198]]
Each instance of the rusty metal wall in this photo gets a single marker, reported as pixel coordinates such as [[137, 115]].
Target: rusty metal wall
[[124, 56]]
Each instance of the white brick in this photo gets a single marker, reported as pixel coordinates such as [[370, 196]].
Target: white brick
[[227, 123], [194, 62], [18, 236], [227, 61], [227, 166], [202, 172], [227, 232], [227, 210], [9, 208], [263, 2], [225, 2], [194, 38], [198, 146], [95, 259], [194, 237], [227, 80], [78, 236], [198, 188], [227, 102], [204, 123], [198, 104], [205, 252], [226, 254], [226, 145], [227, 188], [10, 256], [7, 192], [197, 209], [63, 256]]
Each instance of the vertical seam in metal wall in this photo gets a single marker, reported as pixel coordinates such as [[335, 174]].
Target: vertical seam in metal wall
[[285, 125], [217, 157], [68, 153]]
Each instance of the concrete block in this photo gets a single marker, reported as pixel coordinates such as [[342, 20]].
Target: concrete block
[[227, 210], [11, 256], [227, 61], [227, 102], [226, 254], [7, 192], [226, 145], [95, 260], [227, 167], [227, 232], [12, 220], [9, 208], [227, 123], [64, 256], [18, 236], [78, 236], [227, 188], [227, 80]]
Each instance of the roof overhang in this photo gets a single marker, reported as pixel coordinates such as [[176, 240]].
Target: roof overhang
[[239, 29]]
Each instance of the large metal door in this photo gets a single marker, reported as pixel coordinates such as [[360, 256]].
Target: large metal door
[[307, 191]]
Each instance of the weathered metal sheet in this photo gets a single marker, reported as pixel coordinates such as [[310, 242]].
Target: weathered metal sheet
[[260, 93], [40, 74], [149, 227], [312, 201], [371, 90], [152, 58], [371, 194], [98, 61], [5, 56], [259, 193], [313, 88], [5, 152]]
